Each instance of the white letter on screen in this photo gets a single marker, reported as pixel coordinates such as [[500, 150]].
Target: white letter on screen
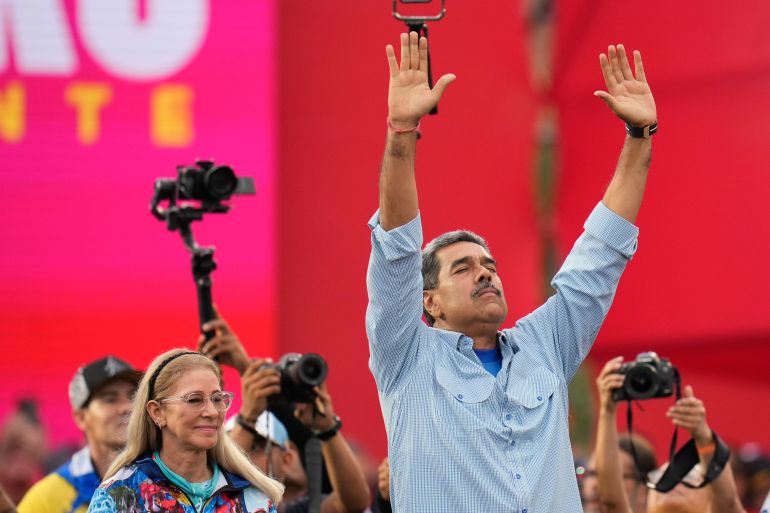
[[154, 48], [40, 37]]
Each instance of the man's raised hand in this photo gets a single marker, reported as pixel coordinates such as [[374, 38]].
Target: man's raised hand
[[409, 96], [628, 96]]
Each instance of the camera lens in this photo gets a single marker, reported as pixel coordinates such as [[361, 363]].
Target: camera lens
[[312, 369], [220, 182], [641, 382]]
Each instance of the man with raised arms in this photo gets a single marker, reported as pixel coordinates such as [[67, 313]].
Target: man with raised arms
[[477, 416]]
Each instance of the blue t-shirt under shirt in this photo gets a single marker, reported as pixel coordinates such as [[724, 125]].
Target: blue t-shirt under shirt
[[491, 359]]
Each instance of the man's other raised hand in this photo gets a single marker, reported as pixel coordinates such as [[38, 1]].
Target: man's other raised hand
[[628, 95]]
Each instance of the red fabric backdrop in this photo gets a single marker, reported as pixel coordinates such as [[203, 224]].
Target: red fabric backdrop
[[698, 289]]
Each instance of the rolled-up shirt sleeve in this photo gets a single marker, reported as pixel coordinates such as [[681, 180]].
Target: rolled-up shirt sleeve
[[585, 287], [394, 313]]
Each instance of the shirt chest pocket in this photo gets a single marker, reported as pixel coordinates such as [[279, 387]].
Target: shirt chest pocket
[[465, 403], [534, 394]]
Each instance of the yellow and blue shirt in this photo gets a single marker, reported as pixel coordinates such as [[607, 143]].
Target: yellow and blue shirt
[[66, 490]]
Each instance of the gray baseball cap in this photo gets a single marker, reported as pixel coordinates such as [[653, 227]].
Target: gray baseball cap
[[94, 375]]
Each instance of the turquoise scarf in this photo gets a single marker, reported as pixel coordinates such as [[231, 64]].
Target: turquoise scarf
[[197, 492]]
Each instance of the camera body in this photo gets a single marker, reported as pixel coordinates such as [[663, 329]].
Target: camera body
[[647, 377], [210, 183], [300, 373], [204, 182]]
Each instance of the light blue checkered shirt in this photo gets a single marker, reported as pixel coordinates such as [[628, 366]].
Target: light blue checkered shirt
[[460, 439]]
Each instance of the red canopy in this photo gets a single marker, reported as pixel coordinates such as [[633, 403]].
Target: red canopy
[[698, 290]]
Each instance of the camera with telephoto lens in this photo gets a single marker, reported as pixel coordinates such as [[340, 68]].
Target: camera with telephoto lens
[[300, 374], [647, 377]]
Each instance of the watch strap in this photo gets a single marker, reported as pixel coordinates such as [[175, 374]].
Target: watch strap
[[641, 132], [331, 432], [246, 424]]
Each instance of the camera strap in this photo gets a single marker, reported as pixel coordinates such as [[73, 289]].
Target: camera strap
[[314, 462], [672, 447], [682, 462]]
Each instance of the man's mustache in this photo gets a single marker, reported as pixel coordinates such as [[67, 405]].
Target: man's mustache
[[483, 287]]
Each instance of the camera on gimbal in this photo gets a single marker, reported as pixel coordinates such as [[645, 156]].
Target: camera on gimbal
[[647, 377], [207, 182], [300, 374], [197, 190]]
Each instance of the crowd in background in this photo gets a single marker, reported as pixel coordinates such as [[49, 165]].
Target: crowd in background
[[352, 479]]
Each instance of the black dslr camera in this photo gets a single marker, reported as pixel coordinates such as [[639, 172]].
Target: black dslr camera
[[300, 373], [208, 183], [647, 377]]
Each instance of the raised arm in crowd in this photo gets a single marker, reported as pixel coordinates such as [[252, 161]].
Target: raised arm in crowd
[[689, 413], [260, 383]]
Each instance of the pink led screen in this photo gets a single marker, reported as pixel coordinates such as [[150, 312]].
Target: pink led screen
[[98, 99]]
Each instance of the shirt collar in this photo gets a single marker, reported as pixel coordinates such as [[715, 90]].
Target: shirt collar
[[226, 479], [465, 343]]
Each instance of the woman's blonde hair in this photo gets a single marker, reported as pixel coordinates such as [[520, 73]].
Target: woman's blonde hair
[[144, 436]]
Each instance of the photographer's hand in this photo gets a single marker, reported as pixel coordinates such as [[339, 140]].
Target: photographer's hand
[[258, 382], [224, 345], [609, 380], [351, 492], [690, 414], [323, 417], [383, 479], [609, 470]]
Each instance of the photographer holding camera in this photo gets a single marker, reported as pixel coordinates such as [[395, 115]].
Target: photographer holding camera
[[265, 386], [718, 496]]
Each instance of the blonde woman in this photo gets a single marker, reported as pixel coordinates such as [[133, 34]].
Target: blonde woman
[[178, 458]]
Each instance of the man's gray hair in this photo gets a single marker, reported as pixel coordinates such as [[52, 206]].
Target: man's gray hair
[[430, 264]]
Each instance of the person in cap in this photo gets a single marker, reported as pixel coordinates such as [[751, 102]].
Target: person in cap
[[272, 451], [267, 441], [177, 457], [100, 393]]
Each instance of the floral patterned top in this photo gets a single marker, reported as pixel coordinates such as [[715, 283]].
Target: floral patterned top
[[142, 488]]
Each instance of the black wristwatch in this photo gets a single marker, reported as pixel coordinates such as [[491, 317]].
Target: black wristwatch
[[641, 132], [331, 432], [246, 424]]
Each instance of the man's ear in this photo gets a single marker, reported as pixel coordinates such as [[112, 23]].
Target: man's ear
[[79, 416], [431, 303]]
